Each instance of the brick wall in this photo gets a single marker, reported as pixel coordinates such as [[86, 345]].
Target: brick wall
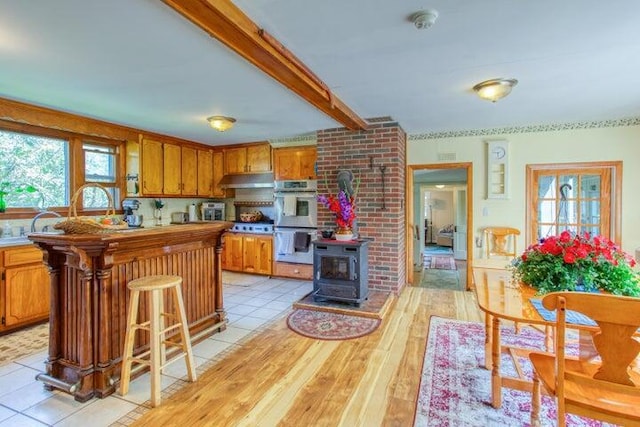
[[363, 153]]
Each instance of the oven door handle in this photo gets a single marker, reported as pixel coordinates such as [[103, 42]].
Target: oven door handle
[[297, 195]]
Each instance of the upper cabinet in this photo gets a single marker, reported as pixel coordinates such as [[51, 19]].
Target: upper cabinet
[[205, 173], [247, 159], [218, 173], [169, 169], [295, 162], [152, 167]]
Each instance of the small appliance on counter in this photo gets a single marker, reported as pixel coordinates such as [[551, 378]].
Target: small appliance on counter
[[179, 218], [129, 206], [212, 211]]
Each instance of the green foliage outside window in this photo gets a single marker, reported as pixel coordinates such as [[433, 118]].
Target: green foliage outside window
[[30, 162]]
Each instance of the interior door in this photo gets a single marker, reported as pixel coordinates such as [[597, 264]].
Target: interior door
[[460, 222]]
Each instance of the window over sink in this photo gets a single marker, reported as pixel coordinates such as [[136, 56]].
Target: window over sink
[[56, 163]]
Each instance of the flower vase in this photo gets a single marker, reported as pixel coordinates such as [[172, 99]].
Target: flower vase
[[344, 234], [3, 204]]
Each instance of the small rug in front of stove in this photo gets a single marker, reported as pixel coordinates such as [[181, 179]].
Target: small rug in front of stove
[[330, 326]]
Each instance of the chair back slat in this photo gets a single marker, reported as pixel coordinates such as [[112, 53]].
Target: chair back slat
[[615, 339], [500, 241]]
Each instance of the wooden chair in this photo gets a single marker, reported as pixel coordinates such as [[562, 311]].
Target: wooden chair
[[607, 389], [501, 242]]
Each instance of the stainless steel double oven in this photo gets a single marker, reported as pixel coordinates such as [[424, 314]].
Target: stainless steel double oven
[[296, 220]]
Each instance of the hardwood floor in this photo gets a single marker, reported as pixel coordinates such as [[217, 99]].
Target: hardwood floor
[[282, 378]]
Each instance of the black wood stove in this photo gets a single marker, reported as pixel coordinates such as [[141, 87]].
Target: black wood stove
[[340, 271]]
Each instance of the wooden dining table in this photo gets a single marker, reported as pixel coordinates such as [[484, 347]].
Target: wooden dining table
[[502, 298]]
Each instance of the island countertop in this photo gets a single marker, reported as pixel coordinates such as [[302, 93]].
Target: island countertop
[[89, 296]]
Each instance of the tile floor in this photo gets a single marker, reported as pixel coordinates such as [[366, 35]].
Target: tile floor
[[251, 303]]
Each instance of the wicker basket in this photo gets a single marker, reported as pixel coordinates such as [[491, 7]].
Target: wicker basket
[[75, 224], [251, 216]]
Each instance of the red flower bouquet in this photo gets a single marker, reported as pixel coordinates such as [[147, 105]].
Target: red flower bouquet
[[577, 262], [342, 206]]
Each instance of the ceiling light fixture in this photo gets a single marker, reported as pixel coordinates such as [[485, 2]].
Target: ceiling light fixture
[[221, 123], [495, 89], [424, 19], [439, 185]]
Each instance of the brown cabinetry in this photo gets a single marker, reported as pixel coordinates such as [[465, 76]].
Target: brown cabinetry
[[25, 287], [295, 163], [218, 173], [247, 159], [189, 173], [248, 253], [296, 271], [152, 167], [205, 173], [169, 169]]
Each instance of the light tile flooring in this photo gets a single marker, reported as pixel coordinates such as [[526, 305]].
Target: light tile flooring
[[251, 303]]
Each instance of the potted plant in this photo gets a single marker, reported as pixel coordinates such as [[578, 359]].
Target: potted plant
[[577, 262], [7, 188]]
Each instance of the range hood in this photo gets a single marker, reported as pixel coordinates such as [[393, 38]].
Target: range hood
[[252, 180]]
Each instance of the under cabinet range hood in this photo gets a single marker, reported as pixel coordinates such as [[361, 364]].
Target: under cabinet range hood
[[252, 180]]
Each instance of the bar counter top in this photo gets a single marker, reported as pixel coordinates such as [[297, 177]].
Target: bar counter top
[[89, 296]]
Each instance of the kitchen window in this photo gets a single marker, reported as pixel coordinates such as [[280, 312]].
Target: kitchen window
[[57, 163]]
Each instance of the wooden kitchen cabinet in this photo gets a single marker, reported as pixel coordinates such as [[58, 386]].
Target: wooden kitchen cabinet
[[257, 254], [25, 287], [205, 173], [295, 163], [233, 252], [218, 173], [169, 169], [190, 171], [152, 167], [248, 253], [172, 163], [247, 159]]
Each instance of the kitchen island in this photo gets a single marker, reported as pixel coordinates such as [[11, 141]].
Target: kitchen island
[[89, 297]]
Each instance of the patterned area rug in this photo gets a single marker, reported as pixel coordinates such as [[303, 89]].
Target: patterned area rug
[[443, 263], [330, 326], [24, 342], [455, 390], [440, 279]]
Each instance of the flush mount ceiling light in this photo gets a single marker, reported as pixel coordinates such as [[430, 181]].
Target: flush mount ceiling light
[[495, 89], [439, 185], [221, 123], [424, 19]]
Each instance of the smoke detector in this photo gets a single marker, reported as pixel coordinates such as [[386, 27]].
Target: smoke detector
[[424, 19]]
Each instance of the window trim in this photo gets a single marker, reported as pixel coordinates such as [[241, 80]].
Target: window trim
[[76, 166], [615, 168]]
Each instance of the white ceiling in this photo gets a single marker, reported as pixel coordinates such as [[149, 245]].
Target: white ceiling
[[141, 64]]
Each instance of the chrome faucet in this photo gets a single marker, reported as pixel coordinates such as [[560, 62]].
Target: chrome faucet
[[35, 218]]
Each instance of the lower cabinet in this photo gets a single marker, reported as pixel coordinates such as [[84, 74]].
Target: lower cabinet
[[248, 253], [25, 287], [295, 271]]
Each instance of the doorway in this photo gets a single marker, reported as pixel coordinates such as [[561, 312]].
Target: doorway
[[423, 222]]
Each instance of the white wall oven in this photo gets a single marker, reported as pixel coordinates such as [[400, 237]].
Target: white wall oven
[[296, 204], [296, 220]]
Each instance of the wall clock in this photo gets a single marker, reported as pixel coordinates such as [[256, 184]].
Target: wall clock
[[497, 169]]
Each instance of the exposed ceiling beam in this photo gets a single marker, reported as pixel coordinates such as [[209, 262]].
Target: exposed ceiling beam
[[224, 21]]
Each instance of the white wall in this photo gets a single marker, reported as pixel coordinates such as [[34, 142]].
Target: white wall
[[563, 146]]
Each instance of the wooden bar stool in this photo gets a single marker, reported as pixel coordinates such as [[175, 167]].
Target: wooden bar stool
[[155, 357]]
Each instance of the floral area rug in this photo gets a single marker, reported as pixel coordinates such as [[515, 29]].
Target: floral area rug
[[22, 343], [455, 389], [443, 263], [330, 326]]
